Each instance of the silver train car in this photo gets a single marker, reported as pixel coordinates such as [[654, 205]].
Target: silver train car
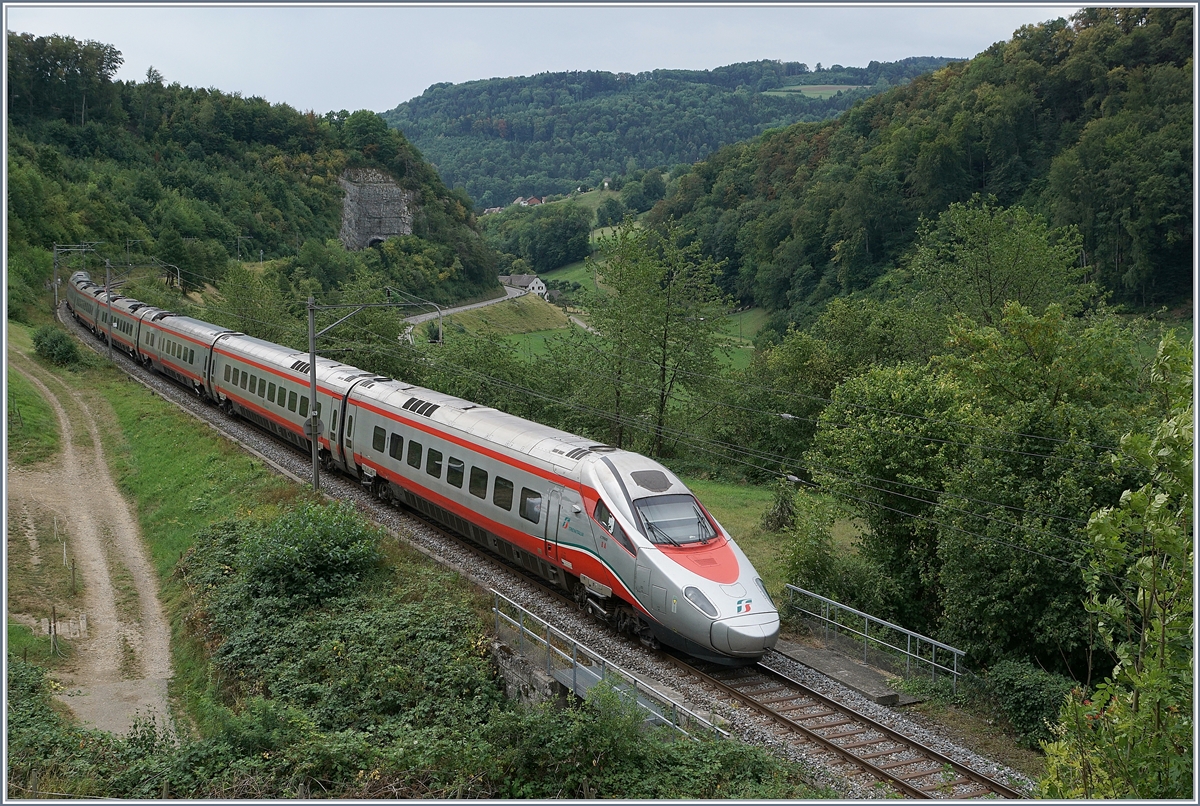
[[617, 531]]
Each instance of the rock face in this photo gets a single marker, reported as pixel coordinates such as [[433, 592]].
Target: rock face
[[375, 208]]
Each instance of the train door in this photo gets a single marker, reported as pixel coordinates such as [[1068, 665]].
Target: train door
[[553, 505]]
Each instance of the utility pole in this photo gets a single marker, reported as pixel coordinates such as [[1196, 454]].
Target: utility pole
[[313, 427], [61, 249], [241, 238], [108, 295]]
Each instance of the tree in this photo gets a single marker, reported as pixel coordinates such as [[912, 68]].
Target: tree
[[657, 318], [1133, 736], [979, 256]]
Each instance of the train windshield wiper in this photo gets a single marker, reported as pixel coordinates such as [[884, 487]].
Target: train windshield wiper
[[703, 530], [658, 529]]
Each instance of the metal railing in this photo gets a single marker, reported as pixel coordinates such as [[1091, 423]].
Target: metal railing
[[893, 641], [579, 668]]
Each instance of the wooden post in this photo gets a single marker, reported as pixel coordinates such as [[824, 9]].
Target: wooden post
[[72, 576], [54, 629]]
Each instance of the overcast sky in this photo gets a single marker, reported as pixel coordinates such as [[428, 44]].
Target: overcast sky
[[332, 58]]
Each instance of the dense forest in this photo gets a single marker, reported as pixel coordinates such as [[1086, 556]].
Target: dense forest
[[547, 134], [1087, 122], [162, 174]]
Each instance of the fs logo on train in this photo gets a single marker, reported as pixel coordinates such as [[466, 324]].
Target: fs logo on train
[[743, 605]]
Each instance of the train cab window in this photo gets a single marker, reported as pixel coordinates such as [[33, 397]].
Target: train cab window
[[397, 444], [304, 405], [292, 401], [433, 463], [454, 471], [531, 504], [502, 493], [479, 480], [226, 373], [414, 453], [270, 393], [378, 439], [608, 521]]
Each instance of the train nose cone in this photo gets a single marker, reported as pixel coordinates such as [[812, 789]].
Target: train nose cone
[[751, 634]]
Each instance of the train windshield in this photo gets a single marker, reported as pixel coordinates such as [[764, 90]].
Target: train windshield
[[675, 520]]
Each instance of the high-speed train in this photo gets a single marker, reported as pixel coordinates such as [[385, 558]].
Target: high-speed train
[[616, 530]]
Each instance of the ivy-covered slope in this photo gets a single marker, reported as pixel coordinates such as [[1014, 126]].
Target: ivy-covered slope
[[546, 134], [1088, 122]]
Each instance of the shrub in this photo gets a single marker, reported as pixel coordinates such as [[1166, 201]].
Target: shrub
[[1029, 697], [56, 346], [846, 577], [312, 552]]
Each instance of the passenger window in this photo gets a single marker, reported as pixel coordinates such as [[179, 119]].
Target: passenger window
[[242, 382], [262, 387], [433, 463], [291, 401], [502, 494], [226, 373], [531, 504], [396, 446], [281, 397], [379, 439], [479, 480], [414, 453], [253, 384], [191, 356], [333, 425], [454, 471], [350, 426], [304, 405], [271, 392]]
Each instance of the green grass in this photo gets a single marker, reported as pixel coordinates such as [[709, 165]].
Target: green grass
[[813, 90], [577, 272], [181, 475], [22, 643], [527, 314], [33, 433], [743, 326]]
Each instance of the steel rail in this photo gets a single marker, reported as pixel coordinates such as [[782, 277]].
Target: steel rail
[[880, 770]]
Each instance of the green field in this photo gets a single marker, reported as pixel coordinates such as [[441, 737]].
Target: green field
[[33, 434], [813, 90], [527, 314]]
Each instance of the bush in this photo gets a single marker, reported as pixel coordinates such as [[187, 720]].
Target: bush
[[312, 552], [843, 576], [56, 346], [1029, 697]]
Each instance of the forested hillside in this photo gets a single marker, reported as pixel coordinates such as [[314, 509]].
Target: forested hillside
[[1087, 122], [195, 177], [547, 134]]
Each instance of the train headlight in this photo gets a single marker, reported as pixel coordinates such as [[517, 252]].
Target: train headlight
[[762, 586], [701, 602]]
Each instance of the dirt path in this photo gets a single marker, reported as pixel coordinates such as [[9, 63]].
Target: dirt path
[[122, 663]]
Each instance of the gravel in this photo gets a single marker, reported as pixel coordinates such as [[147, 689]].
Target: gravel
[[821, 769]]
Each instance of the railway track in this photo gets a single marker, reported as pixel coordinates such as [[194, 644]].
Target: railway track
[[915, 770]]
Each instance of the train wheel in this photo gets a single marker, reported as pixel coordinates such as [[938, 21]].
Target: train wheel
[[579, 593]]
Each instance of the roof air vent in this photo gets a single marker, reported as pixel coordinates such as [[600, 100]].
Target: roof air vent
[[655, 481]]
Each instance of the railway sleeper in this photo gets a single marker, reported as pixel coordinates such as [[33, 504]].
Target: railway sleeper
[[946, 784]]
